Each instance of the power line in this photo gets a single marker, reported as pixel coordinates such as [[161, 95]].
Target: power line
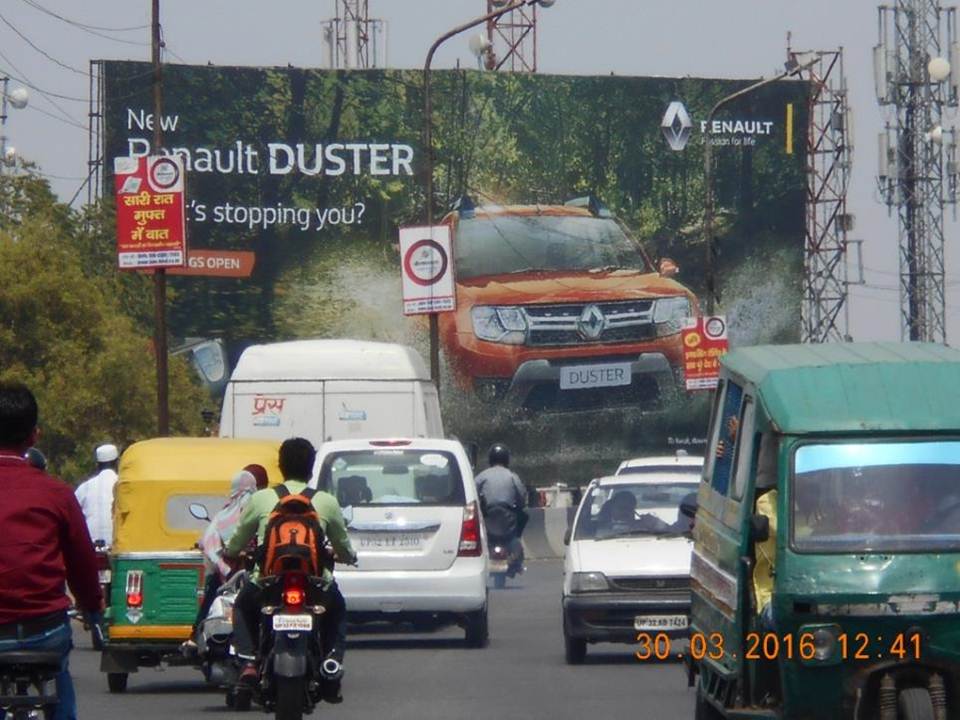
[[40, 50], [83, 26], [65, 121]]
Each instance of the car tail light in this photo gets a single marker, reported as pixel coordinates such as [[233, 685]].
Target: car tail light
[[470, 545], [134, 588], [294, 590], [389, 443]]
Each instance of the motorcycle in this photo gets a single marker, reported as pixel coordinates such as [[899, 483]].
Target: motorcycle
[[28, 684], [506, 550], [292, 668], [104, 572]]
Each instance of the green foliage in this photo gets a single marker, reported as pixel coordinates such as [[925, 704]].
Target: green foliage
[[72, 330]]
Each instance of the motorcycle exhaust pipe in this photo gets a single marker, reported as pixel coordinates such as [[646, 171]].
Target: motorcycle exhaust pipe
[[332, 669]]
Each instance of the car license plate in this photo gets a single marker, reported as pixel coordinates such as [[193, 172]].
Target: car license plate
[[293, 623], [583, 377], [660, 622], [104, 576], [390, 541]]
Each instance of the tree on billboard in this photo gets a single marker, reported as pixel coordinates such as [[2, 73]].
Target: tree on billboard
[[66, 334]]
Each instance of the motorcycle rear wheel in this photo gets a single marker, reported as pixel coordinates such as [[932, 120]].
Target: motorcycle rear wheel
[[291, 693]]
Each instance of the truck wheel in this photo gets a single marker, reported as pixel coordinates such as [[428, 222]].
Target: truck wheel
[[575, 649], [291, 692], [477, 628], [117, 682], [915, 704]]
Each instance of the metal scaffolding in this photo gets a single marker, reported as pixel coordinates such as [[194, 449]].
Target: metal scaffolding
[[353, 38], [916, 67], [513, 39], [825, 311]]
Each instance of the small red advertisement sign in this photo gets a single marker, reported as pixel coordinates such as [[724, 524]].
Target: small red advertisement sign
[[704, 342], [151, 219], [427, 270]]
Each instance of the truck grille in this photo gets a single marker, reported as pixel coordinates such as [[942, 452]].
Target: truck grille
[[618, 322]]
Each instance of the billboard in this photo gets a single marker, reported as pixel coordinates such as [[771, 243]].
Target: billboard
[[574, 207]]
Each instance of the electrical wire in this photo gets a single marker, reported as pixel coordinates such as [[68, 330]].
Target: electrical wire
[[40, 50], [65, 121], [77, 23]]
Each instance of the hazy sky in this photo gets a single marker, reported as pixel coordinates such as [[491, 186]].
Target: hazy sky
[[733, 38]]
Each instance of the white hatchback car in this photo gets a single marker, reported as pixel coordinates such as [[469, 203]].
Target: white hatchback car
[[414, 520], [627, 565]]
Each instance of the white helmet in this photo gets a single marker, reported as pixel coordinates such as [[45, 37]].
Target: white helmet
[[107, 453]]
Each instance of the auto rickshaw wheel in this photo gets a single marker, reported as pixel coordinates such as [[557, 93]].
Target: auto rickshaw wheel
[[915, 704], [117, 682]]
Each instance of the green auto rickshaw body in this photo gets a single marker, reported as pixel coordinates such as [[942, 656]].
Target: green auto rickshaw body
[[877, 607]]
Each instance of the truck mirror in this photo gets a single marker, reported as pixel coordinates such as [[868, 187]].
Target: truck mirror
[[759, 528], [689, 506]]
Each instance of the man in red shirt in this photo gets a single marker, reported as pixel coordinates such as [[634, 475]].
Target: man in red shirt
[[44, 545]]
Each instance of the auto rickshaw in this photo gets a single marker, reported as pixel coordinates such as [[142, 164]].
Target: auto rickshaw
[[832, 487], [158, 572]]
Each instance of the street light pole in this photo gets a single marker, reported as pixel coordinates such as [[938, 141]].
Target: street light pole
[[428, 146], [708, 199], [159, 274]]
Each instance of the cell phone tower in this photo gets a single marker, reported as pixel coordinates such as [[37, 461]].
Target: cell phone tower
[[353, 38], [512, 38], [829, 155], [917, 68]]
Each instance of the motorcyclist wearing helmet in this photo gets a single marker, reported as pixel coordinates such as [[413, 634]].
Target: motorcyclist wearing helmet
[[35, 458], [96, 495], [498, 485]]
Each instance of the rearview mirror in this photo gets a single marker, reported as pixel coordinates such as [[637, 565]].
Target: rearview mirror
[[759, 528], [668, 268], [473, 452], [199, 511], [689, 506], [566, 537]]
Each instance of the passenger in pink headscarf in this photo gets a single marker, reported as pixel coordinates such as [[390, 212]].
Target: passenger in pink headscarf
[[221, 528]]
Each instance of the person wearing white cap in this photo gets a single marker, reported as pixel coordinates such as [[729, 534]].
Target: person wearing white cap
[[96, 495]]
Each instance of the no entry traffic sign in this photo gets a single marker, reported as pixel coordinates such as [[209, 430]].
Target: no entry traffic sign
[[427, 270]]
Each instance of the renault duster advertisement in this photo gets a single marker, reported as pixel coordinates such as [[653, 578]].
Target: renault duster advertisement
[[576, 211]]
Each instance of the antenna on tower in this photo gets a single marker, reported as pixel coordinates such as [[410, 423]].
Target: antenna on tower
[[513, 37], [916, 74], [353, 38]]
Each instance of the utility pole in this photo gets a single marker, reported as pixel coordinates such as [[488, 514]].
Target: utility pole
[[915, 64], [159, 274]]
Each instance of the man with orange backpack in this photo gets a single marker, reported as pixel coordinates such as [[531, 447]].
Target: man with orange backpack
[[268, 516]]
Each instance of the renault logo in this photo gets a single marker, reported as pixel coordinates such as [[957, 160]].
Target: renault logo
[[676, 125], [591, 323]]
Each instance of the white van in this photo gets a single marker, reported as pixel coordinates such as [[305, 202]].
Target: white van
[[330, 390]]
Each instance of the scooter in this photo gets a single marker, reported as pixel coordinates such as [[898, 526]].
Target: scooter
[[28, 684], [219, 667], [506, 550]]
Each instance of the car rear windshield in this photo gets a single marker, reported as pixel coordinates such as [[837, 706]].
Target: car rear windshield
[[622, 510], [392, 476], [503, 244], [877, 497], [691, 470]]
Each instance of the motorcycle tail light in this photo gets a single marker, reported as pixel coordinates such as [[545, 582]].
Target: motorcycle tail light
[[470, 545], [294, 590], [134, 588]]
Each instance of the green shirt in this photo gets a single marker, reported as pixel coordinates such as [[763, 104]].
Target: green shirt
[[253, 521]]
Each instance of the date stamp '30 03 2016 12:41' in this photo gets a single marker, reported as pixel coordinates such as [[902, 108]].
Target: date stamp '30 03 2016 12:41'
[[771, 646]]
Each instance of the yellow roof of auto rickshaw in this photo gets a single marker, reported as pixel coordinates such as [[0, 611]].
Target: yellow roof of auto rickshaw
[[160, 478], [854, 387], [196, 459]]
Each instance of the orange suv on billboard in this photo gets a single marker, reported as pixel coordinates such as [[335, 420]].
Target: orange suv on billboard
[[559, 308]]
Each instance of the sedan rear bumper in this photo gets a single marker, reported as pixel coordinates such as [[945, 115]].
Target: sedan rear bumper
[[461, 588], [609, 617]]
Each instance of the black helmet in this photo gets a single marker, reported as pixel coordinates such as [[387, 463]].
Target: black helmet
[[499, 455], [35, 458]]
